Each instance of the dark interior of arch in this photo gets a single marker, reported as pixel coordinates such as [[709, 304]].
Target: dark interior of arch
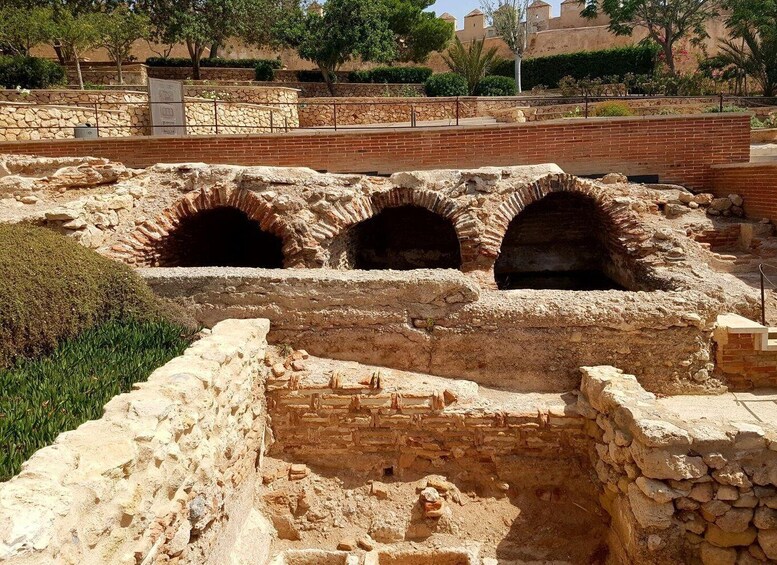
[[405, 238], [557, 242], [220, 237]]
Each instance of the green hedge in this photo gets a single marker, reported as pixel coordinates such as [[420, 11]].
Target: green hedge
[[52, 289], [218, 62], [392, 75], [446, 84], [30, 72], [548, 71], [41, 398], [264, 71], [496, 86]]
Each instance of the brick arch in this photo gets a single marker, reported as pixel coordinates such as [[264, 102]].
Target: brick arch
[[140, 247], [347, 214], [624, 227]]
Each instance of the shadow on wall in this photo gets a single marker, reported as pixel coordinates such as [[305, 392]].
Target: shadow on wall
[[220, 237], [555, 243]]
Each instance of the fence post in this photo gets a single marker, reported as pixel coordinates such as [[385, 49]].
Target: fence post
[[586, 105], [216, 115], [334, 114], [96, 119], [286, 124], [721, 102], [457, 110], [271, 115]]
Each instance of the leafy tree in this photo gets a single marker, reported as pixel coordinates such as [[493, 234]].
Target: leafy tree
[[471, 62], [118, 30], [417, 32], [197, 23], [75, 34], [753, 44], [346, 29], [22, 28], [508, 17], [666, 21]]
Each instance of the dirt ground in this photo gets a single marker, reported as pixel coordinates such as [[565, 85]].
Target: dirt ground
[[532, 511]]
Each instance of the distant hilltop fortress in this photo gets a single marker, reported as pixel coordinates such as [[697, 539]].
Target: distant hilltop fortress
[[570, 32], [539, 16]]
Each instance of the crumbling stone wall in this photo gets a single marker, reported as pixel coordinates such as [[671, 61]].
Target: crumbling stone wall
[[166, 474], [680, 488]]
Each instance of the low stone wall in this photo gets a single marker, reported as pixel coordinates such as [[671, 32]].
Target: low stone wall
[[34, 122], [203, 117], [680, 488], [744, 353], [106, 74], [766, 135], [322, 112], [282, 100], [166, 475], [433, 321]]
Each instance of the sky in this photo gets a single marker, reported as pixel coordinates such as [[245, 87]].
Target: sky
[[460, 8]]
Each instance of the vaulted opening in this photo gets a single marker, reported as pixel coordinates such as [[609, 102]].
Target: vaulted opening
[[558, 242], [404, 238], [220, 237]]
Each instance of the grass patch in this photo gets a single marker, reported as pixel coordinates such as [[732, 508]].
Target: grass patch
[[40, 398], [52, 289]]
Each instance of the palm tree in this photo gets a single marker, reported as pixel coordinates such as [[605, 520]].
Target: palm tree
[[470, 62], [756, 55]]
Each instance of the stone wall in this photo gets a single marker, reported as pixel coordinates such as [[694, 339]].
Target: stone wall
[[680, 487], [167, 474], [32, 121], [282, 100], [106, 74], [436, 322], [125, 113], [745, 353]]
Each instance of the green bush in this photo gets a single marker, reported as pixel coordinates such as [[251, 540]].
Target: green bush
[[41, 398], [392, 75], [30, 72], [592, 64], [264, 71], [53, 289], [310, 76], [612, 109], [217, 62], [446, 84], [495, 86]]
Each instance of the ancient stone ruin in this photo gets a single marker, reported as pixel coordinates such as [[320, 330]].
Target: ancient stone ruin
[[493, 366]]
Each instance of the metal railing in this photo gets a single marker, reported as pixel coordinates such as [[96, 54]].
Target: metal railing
[[765, 279], [356, 114]]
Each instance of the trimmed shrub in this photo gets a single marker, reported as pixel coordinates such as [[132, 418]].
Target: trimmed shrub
[[392, 75], [52, 289], [217, 62], [264, 71], [30, 72], [41, 398], [612, 109], [584, 64], [446, 84], [495, 86]]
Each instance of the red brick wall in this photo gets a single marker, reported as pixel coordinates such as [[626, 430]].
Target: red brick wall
[[744, 366], [678, 149], [755, 182]]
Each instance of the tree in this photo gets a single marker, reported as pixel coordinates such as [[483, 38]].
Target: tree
[[75, 34], [753, 43], [417, 33], [666, 21], [118, 30], [471, 62], [23, 28], [197, 23], [508, 17], [346, 29]]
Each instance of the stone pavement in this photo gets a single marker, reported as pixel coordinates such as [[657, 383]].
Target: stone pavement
[[759, 407]]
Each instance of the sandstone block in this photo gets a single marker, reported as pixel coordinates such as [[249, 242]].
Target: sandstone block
[[712, 555], [735, 520], [767, 539], [648, 512], [663, 464], [656, 490], [720, 538]]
